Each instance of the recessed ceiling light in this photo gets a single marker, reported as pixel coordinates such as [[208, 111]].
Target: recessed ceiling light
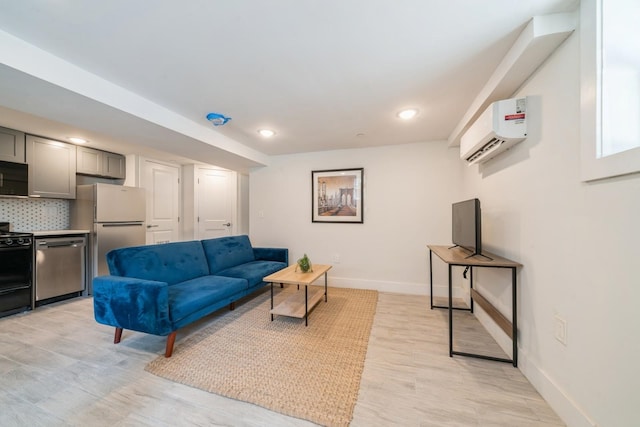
[[77, 140], [267, 133], [408, 114]]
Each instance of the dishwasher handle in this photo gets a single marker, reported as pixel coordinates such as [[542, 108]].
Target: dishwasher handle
[[61, 244]]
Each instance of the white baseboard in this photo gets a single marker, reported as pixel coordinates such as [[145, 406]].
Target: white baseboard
[[566, 408], [380, 286], [409, 288]]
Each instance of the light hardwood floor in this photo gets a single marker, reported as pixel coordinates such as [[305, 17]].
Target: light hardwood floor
[[58, 367]]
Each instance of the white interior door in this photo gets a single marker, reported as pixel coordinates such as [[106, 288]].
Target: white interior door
[[216, 203], [162, 184]]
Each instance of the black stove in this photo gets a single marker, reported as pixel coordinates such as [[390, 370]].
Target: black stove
[[16, 271], [15, 238]]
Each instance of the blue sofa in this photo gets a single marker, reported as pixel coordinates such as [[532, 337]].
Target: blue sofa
[[158, 289]]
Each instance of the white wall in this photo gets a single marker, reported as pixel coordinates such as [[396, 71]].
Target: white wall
[[579, 244], [243, 204], [408, 191]]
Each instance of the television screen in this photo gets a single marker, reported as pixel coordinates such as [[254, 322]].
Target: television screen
[[466, 227]]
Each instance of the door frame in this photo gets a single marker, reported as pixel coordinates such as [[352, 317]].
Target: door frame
[[135, 170], [190, 176]]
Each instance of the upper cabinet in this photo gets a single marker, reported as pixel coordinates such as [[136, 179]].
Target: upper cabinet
[[94, 162], [12, 146], [52, 168]]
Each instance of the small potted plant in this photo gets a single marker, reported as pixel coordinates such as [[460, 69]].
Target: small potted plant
[[304, 264]]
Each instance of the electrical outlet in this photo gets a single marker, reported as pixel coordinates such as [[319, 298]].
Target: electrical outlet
[[336, 258], [560, 329]]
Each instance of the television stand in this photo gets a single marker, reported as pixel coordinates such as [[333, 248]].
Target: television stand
[[456, 257]]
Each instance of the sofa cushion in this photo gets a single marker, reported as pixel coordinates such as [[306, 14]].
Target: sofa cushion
[[193, 295], [171, 262], [226, 252], [253, 271]]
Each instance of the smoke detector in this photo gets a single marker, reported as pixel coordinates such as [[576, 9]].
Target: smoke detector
[[218, 119]]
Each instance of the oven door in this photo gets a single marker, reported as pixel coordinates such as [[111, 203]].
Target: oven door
[[15, 278]]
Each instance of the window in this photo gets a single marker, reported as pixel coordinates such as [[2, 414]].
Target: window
[[610, 85]]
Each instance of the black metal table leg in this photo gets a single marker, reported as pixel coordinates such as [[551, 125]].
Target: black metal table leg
[[450, 314], [306, 307], [471, 286], [514, 320], [431, 277], [272, 300]]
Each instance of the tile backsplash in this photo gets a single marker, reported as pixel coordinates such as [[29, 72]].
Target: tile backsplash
[[35, 214]]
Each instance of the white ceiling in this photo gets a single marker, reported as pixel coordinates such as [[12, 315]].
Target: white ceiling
[[323, 74]]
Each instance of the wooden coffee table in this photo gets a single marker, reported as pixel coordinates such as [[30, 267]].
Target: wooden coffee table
[[299, 304]]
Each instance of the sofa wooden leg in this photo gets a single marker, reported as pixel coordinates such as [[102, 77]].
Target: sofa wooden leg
[[171, 339], [118, 336], [232, 306]]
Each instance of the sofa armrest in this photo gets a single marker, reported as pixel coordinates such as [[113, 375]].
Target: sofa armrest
[[272, 254], [134, 304]]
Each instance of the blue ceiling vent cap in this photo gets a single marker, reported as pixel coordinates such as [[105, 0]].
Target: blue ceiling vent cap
[[218, 119]]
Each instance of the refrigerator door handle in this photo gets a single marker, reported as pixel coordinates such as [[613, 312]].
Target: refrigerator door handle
[[123, 224]]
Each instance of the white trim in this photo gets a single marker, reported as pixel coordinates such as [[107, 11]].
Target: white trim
[[593, 167], [560, 401], [408, 288]]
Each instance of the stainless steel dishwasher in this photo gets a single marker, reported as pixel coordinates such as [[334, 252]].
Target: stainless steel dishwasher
[[60, 266]]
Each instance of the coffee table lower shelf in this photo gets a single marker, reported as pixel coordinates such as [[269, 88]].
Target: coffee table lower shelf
[[294, 305], [301, 302]]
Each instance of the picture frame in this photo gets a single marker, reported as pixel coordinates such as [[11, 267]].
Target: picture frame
[[337, 196]]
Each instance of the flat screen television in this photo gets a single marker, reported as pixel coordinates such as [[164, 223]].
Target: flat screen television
[[466, 226]]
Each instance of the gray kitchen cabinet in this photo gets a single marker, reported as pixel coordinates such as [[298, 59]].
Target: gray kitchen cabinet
[[52, 168], [12, 146], [90, 161], [114, 165]]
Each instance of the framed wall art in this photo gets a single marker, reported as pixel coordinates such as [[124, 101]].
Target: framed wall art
[[337, 195]]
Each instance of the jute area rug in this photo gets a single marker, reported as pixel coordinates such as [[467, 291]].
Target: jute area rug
[[309, 372]]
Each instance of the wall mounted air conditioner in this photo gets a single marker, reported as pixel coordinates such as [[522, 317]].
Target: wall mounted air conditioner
[[498, 128]]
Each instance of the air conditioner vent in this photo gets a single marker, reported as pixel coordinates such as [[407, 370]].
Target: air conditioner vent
[[498, 128]]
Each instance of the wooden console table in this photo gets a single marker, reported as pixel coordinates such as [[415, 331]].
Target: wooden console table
[[457, 256]]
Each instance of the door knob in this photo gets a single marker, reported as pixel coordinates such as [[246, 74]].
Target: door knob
[[227, 224]]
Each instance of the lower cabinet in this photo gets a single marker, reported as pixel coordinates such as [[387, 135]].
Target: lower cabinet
[[52, 168]]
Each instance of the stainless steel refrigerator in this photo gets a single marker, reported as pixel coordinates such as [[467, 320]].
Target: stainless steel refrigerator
[[115, 214]]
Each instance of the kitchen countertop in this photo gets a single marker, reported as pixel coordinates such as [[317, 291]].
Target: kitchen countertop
[[58, 232]]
